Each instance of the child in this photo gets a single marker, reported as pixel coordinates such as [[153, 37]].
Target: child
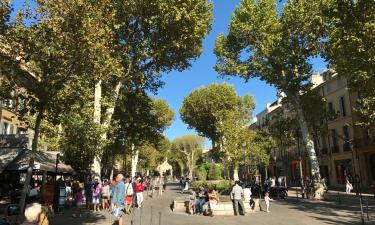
[[192, 201], [267, 199], [78, 197]]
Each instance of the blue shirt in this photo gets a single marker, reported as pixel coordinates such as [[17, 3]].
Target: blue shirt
[[119, 194]]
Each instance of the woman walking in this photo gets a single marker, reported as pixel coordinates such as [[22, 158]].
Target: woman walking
[[139, 188]]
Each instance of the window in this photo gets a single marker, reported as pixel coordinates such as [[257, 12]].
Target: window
[[335, 146], [330, 107], [346, 145], [345, 131], [342, 106], [5, 128]]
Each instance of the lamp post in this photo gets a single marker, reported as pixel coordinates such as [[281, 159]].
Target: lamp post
[[356, 181], [244, 147]]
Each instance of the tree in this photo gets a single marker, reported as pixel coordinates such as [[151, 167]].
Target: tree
[[5, 10], [277, 49], [80, 140], [202, 109], [141, 120], [190, 147], [350, 49], [151, 37], [55, 46]]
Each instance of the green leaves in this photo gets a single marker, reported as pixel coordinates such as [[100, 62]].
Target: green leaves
[[204, 108], [350, 49]]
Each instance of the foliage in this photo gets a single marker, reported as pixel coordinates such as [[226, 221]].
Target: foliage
[[158, 36], [214, 172], [141, 119], [201, 173], [350, 49], [5, 10], [203, 108], [80, 141], [222, 186], [277, 48], [190, 148]]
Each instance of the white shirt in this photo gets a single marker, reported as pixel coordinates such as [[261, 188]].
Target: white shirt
[[247, 194]]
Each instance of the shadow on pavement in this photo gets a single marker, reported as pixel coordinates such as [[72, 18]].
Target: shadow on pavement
[[330, 213]]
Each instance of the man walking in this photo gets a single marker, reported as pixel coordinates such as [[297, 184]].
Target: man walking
[[118, 199], [236, 194]]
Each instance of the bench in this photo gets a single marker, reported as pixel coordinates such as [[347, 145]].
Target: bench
[[224, 208]]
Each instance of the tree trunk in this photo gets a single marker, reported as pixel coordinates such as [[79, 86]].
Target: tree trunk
[[34, 148], [96, 166], [135, 153], [235, 172], [107, 118], [309, 146]]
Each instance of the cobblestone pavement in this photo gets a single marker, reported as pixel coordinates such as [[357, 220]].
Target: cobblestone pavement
[[289, 212]]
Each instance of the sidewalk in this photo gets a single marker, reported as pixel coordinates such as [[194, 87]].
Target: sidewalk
[[302, 212]]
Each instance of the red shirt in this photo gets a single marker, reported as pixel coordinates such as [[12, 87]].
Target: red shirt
[[139, 187]]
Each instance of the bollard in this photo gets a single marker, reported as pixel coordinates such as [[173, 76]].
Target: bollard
[[260, 198], [338, 196], [151, 216], [297, 193], [368, 217], [159, 218]]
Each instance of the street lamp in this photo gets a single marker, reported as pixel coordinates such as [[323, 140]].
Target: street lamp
[[356, 181], [244, 147]]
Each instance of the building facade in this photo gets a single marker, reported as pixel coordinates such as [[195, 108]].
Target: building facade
[[344, 149]]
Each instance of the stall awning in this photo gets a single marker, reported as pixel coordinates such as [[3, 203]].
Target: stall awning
[[42, 161], [7, 155]]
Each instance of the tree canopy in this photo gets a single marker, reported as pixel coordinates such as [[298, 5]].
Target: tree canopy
[[350, 49], [277, 48], [203, 108]]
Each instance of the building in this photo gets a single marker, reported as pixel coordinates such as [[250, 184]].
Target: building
[[345, 149]]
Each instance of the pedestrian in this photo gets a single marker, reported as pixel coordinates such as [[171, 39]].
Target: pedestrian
[[88, 192], [192, 202], [182, 184], [348, 185], [139, 188], [96, 191], [106, 193], [267, 199], [35, 215], [236, 195], [118, 199], [201, 200], [213, 200], [78, 198], [165, 182], [129, 195], [247, 193]]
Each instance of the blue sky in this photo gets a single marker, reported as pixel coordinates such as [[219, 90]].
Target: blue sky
[[180, 84]]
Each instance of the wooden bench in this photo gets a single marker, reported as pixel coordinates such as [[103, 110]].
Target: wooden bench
[[224, 208]]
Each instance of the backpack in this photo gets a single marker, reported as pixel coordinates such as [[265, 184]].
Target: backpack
[[129, 190]]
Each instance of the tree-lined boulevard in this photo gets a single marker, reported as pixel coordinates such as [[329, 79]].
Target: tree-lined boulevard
[[82, 79]]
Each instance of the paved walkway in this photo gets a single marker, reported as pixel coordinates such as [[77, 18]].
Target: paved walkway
[[302, 212]]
